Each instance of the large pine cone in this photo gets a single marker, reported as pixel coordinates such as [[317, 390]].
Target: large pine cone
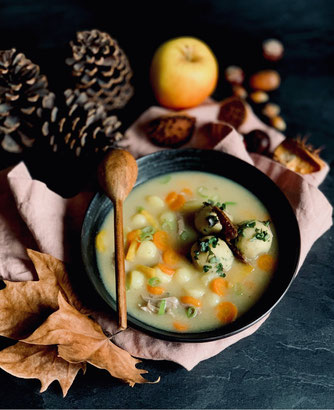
[[22, 89], [80, 126], [101, 68]]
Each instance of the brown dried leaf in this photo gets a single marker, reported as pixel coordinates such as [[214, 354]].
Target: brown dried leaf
[[25, 305], [39, 362], [80, 339]]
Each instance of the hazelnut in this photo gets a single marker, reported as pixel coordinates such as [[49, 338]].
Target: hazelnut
[[271, 110], [278, 123], [259, 97], [239, 91], [273, 49], [266, 80], [234, 74]]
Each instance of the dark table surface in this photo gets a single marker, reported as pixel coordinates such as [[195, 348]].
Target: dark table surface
[[289, 361]]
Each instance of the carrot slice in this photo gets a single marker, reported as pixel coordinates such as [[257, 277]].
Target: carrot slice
[[166, 269], [180, 327], [226, 312], [133, 235], [266, 262], [161, 240], [171, 197], [155, 290], [219, 286], [177, 203], [170, 257], [190, 300], [187, 191]]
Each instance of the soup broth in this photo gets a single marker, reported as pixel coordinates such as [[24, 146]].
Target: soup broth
[[183, 274]]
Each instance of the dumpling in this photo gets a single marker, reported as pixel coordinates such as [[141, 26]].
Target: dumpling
[[254, 237], [211, 254], [206, 221]]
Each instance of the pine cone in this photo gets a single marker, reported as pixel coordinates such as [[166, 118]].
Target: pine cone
[[22, 89], [80, 126], [101, 68]]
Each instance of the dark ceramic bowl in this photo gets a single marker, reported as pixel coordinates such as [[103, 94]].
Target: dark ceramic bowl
[[215, 162]]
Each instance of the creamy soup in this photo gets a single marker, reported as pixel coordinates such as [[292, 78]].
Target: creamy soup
[[184, 272]]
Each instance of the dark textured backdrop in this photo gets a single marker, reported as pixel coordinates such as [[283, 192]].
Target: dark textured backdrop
[[289, 362]]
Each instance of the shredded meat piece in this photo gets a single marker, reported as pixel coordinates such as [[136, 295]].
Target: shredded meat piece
[[153, 304]]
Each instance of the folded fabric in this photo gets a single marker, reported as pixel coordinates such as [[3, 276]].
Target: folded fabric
[[33, 216]]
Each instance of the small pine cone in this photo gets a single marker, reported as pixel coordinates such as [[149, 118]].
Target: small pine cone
[[22, 89], [101, 69], [81, 126]]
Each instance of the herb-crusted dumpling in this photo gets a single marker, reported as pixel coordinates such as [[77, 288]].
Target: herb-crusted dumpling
[[254, 237], [206, 221], [211, 254]]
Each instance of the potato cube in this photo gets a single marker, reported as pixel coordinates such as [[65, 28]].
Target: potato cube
[[147, 253], [183, 275], [136, 279], [155, 202]]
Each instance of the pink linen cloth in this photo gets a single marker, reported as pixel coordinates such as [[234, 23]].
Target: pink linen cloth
[[33, 216]]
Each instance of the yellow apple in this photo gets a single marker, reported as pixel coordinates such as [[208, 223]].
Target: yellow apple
[[184, 72]]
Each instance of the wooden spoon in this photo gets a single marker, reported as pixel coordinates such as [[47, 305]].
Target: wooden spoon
[[117, 175]]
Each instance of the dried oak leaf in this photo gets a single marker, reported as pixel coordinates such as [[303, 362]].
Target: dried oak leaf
[[25, 305], [39, 362], [80, 339]]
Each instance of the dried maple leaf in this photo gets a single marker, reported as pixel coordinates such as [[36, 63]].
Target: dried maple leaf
[[25, 305], [39, 362], [80, 339]]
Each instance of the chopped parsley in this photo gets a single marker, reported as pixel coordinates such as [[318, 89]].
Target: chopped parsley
[[220, 205], [206, 268], [261, 235], [146, 234], [139, 209], [248, 224], [219, 268], [266, 223]]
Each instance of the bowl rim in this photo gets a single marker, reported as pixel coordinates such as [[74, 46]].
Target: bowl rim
[[195, 337]]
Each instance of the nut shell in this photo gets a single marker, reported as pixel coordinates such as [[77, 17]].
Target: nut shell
[[265, 80], [233, 111], [298, 156]]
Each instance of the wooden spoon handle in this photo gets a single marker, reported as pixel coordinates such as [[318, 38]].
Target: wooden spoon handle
[[120, 266]]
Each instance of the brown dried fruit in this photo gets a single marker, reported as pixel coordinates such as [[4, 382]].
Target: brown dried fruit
[[218, 131], [233, 111], [298, 156], [39, 362], [272, 49], [80, 339], [171, 130], [229, 232], [266, 80]]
